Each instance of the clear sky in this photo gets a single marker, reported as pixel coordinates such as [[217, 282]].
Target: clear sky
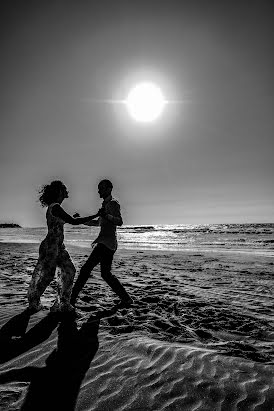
[[207, 158]]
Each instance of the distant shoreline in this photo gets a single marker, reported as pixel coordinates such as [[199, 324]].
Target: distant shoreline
[[140, 226], [9, 225]]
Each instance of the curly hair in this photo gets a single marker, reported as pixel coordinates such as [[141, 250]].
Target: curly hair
[[49, 193]]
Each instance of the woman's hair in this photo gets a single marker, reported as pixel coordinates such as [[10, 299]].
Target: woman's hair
[[49, 193]]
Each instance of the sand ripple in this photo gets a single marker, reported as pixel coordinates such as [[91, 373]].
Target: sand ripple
[[155, 375]]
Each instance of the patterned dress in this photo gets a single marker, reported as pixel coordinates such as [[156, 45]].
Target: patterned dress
[[52, 254]]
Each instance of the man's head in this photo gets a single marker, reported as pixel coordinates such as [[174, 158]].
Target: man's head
[[104, 188]]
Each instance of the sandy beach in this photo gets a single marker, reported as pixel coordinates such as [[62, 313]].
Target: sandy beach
[[199, 336]]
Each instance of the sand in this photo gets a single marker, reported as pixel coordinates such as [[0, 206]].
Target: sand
[[199, 336]]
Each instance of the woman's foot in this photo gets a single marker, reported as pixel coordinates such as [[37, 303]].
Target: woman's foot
[[55, 308], [62, 308], [34, 308], [66, 308]]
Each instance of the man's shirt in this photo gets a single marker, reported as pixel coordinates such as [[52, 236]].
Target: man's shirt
[[107, 235]]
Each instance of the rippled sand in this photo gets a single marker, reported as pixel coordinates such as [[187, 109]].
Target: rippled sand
[[199, 336]]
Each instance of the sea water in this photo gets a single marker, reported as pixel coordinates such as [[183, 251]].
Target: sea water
[[245, 238]]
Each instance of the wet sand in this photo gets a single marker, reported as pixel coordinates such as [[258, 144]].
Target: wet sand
[[199, 335]]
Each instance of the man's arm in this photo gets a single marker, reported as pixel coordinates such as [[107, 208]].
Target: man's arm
[[112, 213]]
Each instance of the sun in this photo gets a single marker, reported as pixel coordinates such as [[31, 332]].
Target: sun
[[145, 102]]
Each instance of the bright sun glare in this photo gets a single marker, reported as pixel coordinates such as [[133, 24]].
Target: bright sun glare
[[145, 102]]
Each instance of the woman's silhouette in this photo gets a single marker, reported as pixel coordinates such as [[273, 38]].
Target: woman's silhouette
[[52, 251]]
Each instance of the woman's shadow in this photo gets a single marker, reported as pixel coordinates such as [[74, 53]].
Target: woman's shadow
[[56, 385], [13, 337]]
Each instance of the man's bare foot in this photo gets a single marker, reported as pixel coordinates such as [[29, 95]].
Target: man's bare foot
[[126, 302]]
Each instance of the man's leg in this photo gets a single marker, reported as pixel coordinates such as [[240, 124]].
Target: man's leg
[[110, 279], [85, 271]]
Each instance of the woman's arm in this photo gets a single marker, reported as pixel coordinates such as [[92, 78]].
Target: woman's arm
[[59, 212], [92, 223]]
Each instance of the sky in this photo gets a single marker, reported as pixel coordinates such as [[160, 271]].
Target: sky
[[67, 65]]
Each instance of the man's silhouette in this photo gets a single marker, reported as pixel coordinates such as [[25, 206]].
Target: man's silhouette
[[105, 245]]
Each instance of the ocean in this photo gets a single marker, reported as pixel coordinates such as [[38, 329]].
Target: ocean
[[243, 238]]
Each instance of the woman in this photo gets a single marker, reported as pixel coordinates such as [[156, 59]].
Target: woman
[[52, 251]]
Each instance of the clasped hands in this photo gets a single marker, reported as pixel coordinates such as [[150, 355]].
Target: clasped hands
[[101, 213]]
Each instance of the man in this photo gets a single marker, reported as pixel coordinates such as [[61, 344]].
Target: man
[[105, 245]]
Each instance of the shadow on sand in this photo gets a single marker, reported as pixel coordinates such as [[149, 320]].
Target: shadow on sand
[[16, 327], [56, 385]]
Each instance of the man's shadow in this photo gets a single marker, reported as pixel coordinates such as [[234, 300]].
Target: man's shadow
[[56, 385]]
